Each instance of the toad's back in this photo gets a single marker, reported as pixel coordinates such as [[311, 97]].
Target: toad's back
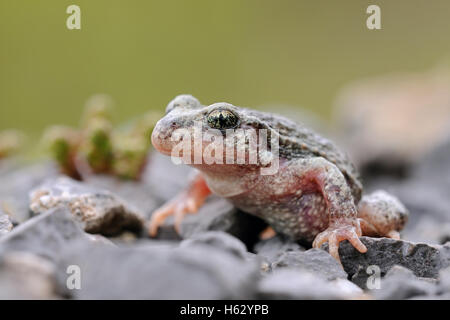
[[297, 141]]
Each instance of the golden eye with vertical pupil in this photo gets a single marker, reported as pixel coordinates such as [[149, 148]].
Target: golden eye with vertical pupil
[[222, 119]]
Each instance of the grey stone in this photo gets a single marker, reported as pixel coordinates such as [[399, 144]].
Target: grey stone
[[218, 214], [435, 166], [47, 235], [27, 276], [161, 168], [57, 237], [146, 243], [225, 242], [98, 210], [401, 283], [126, 237], [444, 251], [443, 286], [444, 281], [5, 224], [9, 164], [297, 284], [426, 194], [445, 296], [218, 240], [162, 273], [137, 193], [50, 236], [14, 194], [97, 238], [423, 199], [315, 261], [422, 259], [272, 248], [149, 269], [265, 266], [429, 230]]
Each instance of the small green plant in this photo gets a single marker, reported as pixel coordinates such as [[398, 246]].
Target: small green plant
[[63, 142], [130, 155], [97, 147]]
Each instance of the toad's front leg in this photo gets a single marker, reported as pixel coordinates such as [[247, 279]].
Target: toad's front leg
[[342, 213], [189, 201]]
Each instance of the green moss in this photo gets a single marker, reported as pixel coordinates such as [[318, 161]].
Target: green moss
[[130, 155], [62, 143], [122, 153], [96, 145]]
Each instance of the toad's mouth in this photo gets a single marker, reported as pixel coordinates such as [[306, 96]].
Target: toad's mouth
[[159, 142], [163, 150]]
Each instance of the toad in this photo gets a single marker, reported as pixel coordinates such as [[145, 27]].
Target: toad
[[314, 195]]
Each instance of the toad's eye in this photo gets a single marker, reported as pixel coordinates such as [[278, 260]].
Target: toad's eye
[[222, 119]]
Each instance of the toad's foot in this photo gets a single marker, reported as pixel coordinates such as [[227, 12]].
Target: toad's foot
[[394, 235], [178, 207], [188, 201], [337, 233], [267, 233], [370, 230], [382, 215]]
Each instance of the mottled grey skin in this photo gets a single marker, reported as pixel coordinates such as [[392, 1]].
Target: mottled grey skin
[[314, 194]]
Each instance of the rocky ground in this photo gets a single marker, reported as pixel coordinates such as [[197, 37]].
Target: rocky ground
[[53, 229]]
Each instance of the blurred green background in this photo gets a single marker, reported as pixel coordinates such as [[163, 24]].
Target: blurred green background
[[249, 53]]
